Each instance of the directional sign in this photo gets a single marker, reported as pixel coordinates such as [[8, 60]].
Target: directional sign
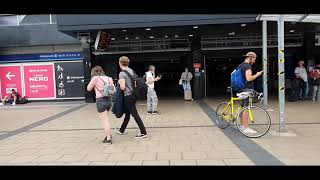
[[10, 75], [69, 79], [10, 79]]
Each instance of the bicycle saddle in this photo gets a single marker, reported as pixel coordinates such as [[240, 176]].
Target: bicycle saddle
[[244, 95]]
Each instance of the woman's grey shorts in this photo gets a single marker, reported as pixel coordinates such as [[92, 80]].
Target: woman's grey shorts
[[103, 104]]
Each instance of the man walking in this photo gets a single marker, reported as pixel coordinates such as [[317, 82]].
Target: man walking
[[246, 71], [125, 83], [301, 73], [152, 99]]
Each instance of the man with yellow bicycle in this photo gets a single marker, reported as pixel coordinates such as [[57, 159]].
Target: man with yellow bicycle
[[245, 68]]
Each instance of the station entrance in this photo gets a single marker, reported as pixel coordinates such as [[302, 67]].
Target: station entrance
[[218, 72], [169, 65]]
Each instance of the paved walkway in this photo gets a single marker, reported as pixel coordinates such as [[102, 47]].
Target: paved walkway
[[184, 134], [303, 119]]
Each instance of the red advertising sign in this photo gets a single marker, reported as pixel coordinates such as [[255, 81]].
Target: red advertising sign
[[10, 77], [39, 82], [197, 65]]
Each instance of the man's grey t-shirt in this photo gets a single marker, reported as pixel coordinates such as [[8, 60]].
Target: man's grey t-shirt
[[123, 75]]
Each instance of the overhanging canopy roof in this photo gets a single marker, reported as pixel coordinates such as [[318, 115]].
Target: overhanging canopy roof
[[85, 22], [307, 18]]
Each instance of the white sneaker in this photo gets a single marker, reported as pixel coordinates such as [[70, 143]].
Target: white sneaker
[[1, 104], [118, 130], [241, 127], [13, 104], [249, 131]]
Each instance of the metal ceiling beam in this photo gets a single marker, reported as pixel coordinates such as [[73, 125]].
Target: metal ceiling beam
[[295, 18], [303, 17], [258, 18]]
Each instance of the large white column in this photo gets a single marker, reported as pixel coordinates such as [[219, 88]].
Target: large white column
[[281, 74], [265, 62]]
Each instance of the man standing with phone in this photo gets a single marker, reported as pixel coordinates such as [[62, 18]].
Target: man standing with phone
[[152, 99], [246, 71]]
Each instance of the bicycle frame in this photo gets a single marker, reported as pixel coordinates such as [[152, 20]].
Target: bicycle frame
[[231, 103]]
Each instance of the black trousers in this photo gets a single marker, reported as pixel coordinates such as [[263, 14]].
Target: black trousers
[[130, 105]]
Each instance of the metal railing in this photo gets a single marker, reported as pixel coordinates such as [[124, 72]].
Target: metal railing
[[140, 46], [241, 42]]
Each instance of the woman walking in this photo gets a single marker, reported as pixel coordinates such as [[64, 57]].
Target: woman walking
[[98, 80]]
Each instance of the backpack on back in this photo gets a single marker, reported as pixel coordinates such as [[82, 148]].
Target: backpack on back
[[238, 81], [108, 89], [140, 88]]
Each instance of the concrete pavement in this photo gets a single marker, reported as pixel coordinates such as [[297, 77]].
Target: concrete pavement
[[184, 134]]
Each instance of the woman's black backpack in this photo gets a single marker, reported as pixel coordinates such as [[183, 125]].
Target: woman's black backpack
[[140, 88]]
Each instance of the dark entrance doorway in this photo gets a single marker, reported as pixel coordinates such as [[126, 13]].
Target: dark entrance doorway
[[170, 69], [218, 74], [168, 64]]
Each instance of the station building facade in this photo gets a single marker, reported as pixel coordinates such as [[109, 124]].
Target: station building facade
[[211, 46]]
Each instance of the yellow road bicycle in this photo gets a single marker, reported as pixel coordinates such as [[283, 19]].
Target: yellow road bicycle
[[231, 112]]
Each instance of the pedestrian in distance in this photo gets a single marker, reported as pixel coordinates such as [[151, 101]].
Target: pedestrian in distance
[[152, 98], [186, 77], [301, 73], [315, 82]]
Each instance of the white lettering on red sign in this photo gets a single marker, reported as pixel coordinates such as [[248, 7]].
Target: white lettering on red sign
[[38, 79]]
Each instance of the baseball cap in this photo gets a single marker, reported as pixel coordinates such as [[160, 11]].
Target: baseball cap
[[250, 54]]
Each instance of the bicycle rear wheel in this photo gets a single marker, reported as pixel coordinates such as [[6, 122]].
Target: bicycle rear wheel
[[261, 121], [223, 115]]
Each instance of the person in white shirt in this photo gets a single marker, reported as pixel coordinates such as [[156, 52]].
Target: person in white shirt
[[152, 98], [301, 72], [186, 77]]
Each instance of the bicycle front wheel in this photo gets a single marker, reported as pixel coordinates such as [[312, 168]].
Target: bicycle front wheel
[[258, 121], [223, 115]]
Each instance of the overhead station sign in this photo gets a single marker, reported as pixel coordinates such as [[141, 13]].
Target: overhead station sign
[[41, 57]]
